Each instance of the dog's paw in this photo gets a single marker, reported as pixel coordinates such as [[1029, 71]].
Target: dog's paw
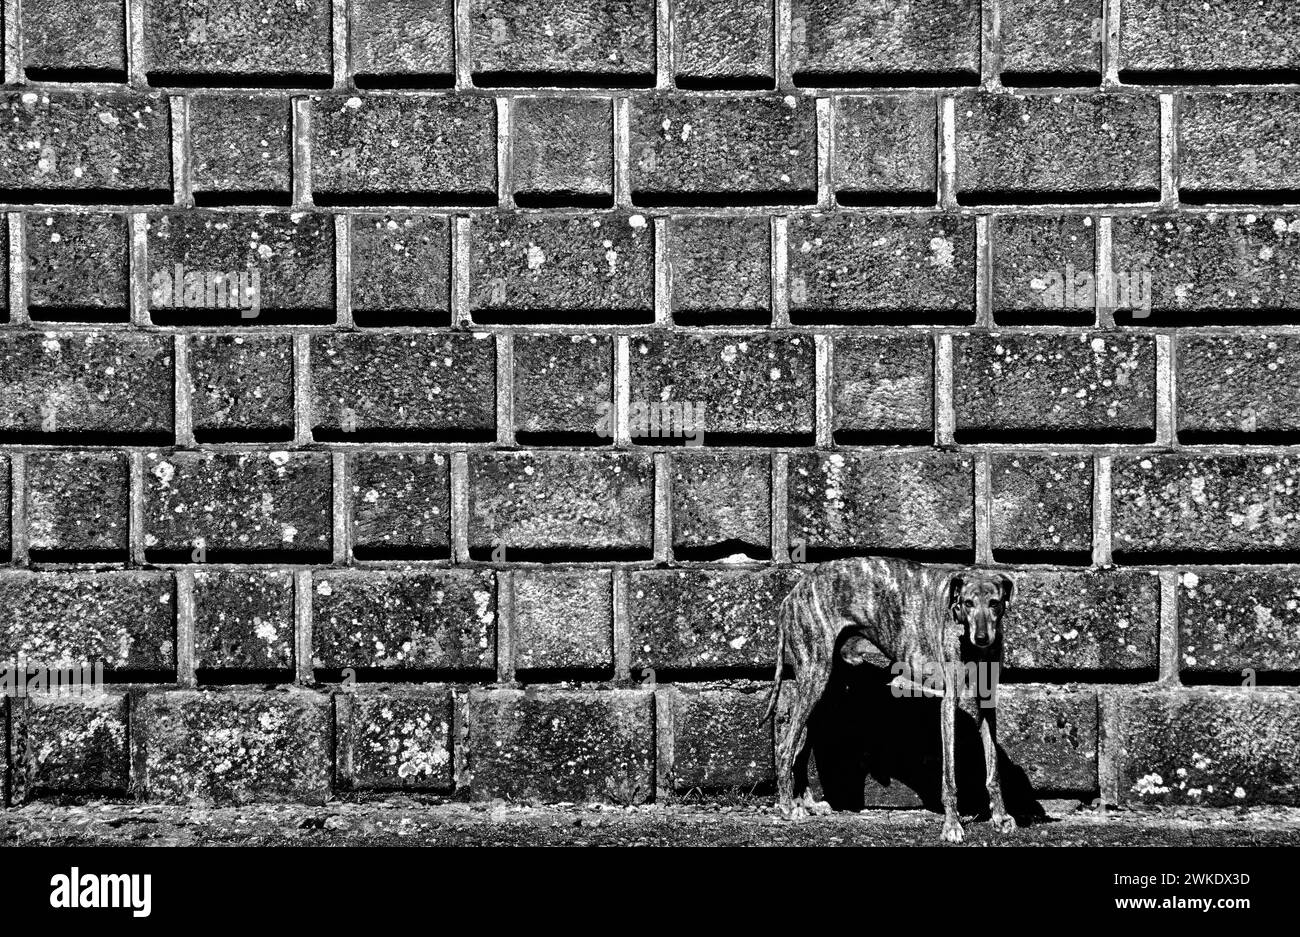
[[1004, 823], [817, 808], [952, 831], [794, 811]]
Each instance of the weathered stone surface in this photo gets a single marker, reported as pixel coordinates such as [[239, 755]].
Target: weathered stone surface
[[391, 385], [564, 151], [883, 387], [753, 383], [550, 264], [720, 740], [236, 504], [1085, 620], [409, 619], [1043, 268], [1202, 745], [569, 42], [1098, 384], [1242, 142], [1044, 39], [231, 747], [394, 42], [1041, 504], [1232, 504], [87, 142], [705, 618], [241, 387], [885, 147], [868, 501], [395, 738], [920, 41], [77, 503], [1239, 620], [1073, 147], [580, 502], [76, 265], [445, 152], [243, 620], [563, 619], [564, 384], [562, 745], [862, 267], [5, 507], [71, 744], [690, 149], [401, 503], [721, 503], [1233, 387], [240, 146], [124, 619], [1050, 733], [82, 382], [717, 44], [74, 40], [720, 266], [401, 264], [1159, 37]]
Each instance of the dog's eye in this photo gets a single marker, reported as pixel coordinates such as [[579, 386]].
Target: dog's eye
[[994, 603], [969, 603]]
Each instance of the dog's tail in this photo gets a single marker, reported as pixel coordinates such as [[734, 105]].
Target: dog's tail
[[782, 620]]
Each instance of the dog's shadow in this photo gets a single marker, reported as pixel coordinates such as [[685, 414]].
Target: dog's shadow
[[862, 731]]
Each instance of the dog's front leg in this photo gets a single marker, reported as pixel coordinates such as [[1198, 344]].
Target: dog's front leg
[[952, 831], [1002, 820]]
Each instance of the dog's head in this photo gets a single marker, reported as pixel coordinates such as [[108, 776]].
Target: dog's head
[[977, 601]]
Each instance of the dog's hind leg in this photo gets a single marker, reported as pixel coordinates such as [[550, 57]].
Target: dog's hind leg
[[793, 737]]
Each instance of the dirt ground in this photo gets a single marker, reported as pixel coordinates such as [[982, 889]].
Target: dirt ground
[[412, 823]]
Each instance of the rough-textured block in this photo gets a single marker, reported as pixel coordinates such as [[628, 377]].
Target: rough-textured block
[[721, 503], [1050, 733], [77, 504], [395, 739], [580, 502], [100, 143], [5, 507], [240, 148], [72, 744], [562, 745], [564, 151], [1206, 746], [398, 386], [401, 266], [563, 619], [124, 619], [401, 504], [1238, 621], [1057, 148], [885, 149], [689, 150], [562, 42], [746, 384], [74, 40], [403, 149], [705, 618], [905, 41], [1051, 41], [227, 42], [563, 384], [76, 266], [883, 387], [241, 387], [720, 740], [1238, 388], [1214, 40], [1084, 620], [571, 267], [723, 44], [81, 383], [1238, 505], [855, 268], [231, 747], [1230, 145], [1042, 504], [204, 506], [1214, 267], [402, 42], [243, 620], [869, 501], [720, 267], [1044, 268], [1099, 385], [404, 619], [237, 266]]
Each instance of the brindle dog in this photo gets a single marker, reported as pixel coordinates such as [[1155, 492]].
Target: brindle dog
[[923, 619]]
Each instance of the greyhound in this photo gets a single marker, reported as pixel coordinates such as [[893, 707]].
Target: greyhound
[[922, 619]]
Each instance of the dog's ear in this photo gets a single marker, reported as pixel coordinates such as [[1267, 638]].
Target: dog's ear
[[1008, 587], [955, 585]]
